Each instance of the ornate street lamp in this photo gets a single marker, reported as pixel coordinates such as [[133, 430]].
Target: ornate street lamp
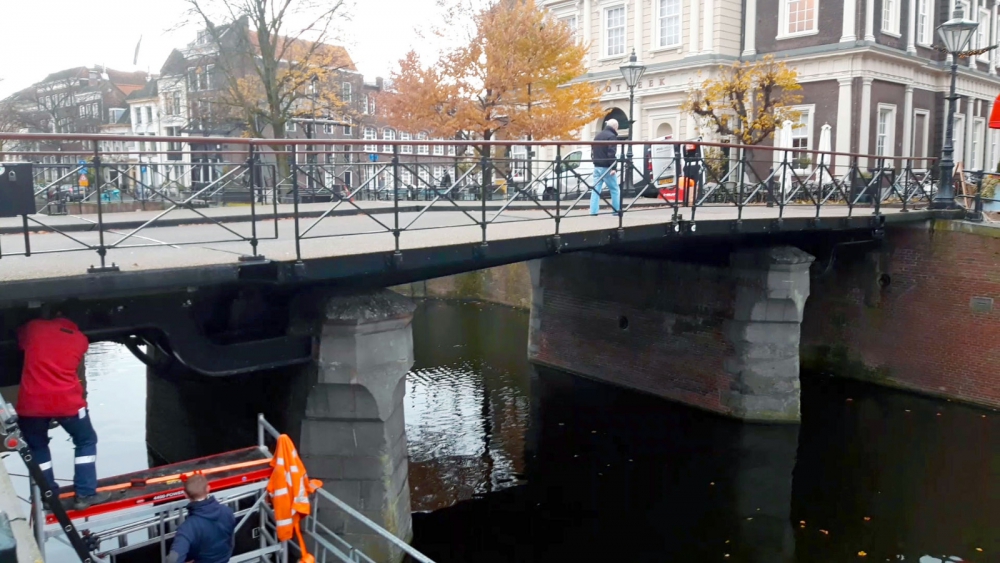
[[955, 34], [632, 72]]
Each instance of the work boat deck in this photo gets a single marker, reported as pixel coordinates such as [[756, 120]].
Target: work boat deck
[[146, 507]]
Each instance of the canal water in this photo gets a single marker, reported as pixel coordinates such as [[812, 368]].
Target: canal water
[[513, 463]]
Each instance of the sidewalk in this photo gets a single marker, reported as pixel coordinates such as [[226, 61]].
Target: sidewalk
[[242, 214]]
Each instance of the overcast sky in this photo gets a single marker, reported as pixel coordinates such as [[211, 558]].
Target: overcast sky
[[42, 36]]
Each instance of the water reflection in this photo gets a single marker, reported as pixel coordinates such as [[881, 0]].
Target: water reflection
[[612, 474]]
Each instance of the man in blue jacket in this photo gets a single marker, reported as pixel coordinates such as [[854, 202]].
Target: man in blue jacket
[[208, 533], [604, 159]]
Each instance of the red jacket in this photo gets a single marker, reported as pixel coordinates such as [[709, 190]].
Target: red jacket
[[50, 385]]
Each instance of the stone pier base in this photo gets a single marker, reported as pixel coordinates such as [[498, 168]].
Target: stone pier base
[[722, 338], [353, 433]]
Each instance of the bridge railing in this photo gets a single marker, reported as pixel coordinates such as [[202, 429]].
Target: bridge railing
[[341, 188]]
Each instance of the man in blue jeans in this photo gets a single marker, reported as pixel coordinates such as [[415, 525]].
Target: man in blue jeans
[[51, 390], [604, 175]]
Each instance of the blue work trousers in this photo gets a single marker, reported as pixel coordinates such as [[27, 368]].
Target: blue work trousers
[[603, 177], [36, 433]]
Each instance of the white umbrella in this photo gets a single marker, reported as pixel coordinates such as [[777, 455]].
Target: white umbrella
[[825, 159]]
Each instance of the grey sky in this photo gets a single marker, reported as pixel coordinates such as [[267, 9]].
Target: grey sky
[[43, 36]]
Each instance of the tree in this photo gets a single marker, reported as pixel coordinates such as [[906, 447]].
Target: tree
[[748, 100], [514, 79], [274, 70]]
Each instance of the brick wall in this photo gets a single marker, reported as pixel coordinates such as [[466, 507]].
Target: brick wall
[[673, 345], [902, 315]]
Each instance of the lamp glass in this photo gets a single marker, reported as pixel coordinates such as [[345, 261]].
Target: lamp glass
[[957, 32]]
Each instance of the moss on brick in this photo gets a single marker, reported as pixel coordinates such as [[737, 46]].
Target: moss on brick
[[837, 360]]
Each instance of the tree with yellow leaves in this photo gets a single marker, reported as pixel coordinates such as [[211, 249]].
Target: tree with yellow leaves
[[513, 80], [748, 100]]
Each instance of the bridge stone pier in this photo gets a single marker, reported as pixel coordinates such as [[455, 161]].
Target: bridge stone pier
[[353, 434], [722, 337]]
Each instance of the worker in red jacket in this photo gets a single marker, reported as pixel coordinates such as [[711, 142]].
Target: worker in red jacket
[[50, 390]]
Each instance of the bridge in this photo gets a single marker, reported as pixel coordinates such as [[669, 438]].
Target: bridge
[[698, 287]]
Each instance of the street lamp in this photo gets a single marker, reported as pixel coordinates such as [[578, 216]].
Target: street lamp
[[632, 72], [955, 34]]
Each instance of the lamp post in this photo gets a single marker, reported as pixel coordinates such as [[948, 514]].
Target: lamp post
[[955, 34], [632, 72]]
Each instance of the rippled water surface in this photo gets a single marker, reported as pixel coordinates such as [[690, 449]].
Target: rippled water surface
[[513, 463]]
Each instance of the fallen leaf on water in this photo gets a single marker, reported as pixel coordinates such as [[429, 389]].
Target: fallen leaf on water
[[726, 555], [979, 549], [868, 519], [861, 554], [727, 541], [712, 484], [824, 532], [749, 518], [939, 414], [907, 410], [850, 400]]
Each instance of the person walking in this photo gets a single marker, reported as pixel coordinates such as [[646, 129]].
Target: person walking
[[51, 390], [604, 175], [209, 531]]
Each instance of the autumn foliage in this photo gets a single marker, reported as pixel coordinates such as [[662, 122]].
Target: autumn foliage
[[513, 79], [747, 101]]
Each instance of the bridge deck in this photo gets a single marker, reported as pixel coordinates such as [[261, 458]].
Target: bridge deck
[[203, 246]]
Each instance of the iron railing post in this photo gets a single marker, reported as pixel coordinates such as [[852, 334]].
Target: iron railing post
[[395, 197], [295, 203], [251, 162], [877, 187], [483, 163], [558, 188], [907, 174], [977, 213], [102, 250]]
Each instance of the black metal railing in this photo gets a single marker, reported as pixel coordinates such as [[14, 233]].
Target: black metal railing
[[247, 187]]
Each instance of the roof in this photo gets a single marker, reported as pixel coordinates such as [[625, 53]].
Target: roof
[[148, 90], [336, 53]]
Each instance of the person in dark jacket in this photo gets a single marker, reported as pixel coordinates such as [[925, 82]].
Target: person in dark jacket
[[208, 533], [604, 175]]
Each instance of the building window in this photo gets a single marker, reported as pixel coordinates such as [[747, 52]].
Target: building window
[[345, 92], [802, 136], [451, 150], [614, 31], [422, 149], [388, 134], [138, 116], [797, 17], [328, 128], [406, 149], [890, 16], [570, 23], [348, 130], [291, 127], [976, 160], [371, 105], [925, 22], [177, 103], [885, 136], [438, 150], [983, 34], [370, 135], [921, 134], [669, 23], [994, 149], [959, 138], [149, 115], [348, 178]]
